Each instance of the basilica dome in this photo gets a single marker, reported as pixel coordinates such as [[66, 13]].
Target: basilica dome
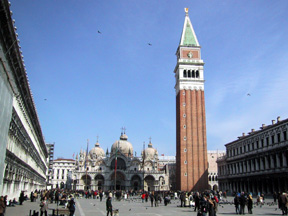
[[150, 152], [123, 146], [96, 152]]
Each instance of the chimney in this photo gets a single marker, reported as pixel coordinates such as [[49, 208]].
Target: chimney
[[252, 130], [263, 126], [273, 122], [243, 134], [278, 119]]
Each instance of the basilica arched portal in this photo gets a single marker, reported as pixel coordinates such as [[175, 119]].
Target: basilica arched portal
[[119, 183], [149, 183], [86, 182], [136, 182], [99, 181]]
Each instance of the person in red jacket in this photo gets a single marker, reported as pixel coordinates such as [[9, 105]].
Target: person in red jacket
[[143, 197]]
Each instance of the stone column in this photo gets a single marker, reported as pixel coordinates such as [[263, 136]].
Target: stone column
[[267, 165], [257, 164], [284, 157], [261, 163], [272, 161], [277, 161], [252, 165]]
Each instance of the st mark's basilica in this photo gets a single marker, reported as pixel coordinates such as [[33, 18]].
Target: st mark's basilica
[[95, 169]]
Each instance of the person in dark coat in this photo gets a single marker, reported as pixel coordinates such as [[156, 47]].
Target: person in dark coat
[[197, 201], [250, 204], [109, 206], [101, 195], [21, 198], [32, 196], [156, 199], [182, 199], [282, 203], [236, 203], [151, 199], [166, 199], [71, 206], [211, 207], [56, 197], [242, 201], [203, 206]]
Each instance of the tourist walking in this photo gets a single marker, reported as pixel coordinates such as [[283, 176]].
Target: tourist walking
[[43, 206], [283, 203], [197, 201], [203, 206], [109, 206], [101, 196], [250, 204], [71, 206], [215, 202], [156, 199], [242, 201], [211, 207], [182, 199], [166, 199], [151, 199], [236, 203]]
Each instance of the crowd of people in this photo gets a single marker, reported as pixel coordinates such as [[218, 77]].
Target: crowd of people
[[205, 203], [241, 200]]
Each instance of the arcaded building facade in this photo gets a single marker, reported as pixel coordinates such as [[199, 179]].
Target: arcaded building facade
[[23, 155], [191, 143], [256, 162]]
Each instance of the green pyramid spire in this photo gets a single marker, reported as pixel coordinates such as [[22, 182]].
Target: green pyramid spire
[[188, 37]]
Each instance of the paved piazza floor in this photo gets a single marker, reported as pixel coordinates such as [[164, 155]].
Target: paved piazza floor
[[89, 207]]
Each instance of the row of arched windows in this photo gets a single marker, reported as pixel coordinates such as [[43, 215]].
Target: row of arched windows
[[213, 178], [191, 73]]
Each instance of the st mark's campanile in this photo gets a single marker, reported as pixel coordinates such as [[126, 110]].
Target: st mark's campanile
[[191, 143]]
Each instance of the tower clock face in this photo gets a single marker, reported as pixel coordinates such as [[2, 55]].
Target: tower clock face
[[190, 54]]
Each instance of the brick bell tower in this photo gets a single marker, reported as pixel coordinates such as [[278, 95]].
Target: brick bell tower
[[191, 143]]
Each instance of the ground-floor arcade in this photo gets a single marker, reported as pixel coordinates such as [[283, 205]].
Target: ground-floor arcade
[[267, 184]]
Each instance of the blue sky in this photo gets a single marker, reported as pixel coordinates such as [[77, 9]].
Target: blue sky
[[87, 84]]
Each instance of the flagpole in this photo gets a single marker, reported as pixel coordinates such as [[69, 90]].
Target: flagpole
[[116, 167], [143, 163], [86, 163]]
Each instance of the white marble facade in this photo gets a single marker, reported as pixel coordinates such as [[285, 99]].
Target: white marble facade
[[23, 156], [96, 170]]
